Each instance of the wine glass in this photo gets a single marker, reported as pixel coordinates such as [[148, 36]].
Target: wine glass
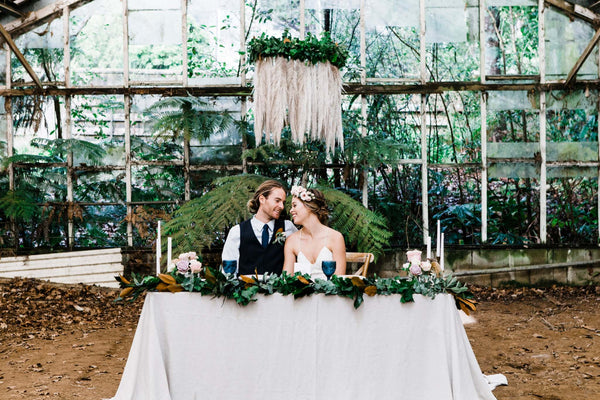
[[229, 266], [328, 268]]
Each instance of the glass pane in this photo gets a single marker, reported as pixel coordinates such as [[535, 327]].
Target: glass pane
[[223, 143], [566, 40], [2, 67], [452, 53], [155, 43], [37, 117], [43, 48], [512, 100], [213, 42], [100, 186], [148, 140], [97, 44]]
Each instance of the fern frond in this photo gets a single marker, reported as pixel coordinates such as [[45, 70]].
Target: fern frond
[[19, 204], [205, 221]]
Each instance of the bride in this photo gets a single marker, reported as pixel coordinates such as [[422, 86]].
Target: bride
[[315, 242]]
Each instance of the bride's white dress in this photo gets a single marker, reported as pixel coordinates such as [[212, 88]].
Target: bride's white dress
[[314, 269]]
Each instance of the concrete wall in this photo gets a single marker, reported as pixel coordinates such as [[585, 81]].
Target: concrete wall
[[527, 266], [490, 267]]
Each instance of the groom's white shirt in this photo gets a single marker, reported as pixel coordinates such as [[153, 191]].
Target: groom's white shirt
[[231, 249]]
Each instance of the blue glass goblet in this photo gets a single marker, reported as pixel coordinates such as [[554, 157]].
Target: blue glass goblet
[[328, 268], [229, 266]]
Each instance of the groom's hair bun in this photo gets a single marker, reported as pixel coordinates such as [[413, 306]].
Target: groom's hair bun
[[318, 206], [264, 189]]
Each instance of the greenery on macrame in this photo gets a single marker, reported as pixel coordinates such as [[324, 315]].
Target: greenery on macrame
[[205, 221], [244, 289], [311, 49]]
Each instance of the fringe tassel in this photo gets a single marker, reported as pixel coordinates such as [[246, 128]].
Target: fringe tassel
[[308, 97]]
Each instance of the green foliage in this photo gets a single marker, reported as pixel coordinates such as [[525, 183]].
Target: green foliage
[[187, 117], [311, 49], [205, 221], [243, 290], [19, 204], [56, 150]]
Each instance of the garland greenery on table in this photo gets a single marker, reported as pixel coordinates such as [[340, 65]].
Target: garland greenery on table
[[311, 49], [244, 289]]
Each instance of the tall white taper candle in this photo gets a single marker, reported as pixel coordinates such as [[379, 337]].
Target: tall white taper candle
[[158, 249], [428, 242], [437, 238], [169, 252], [442, 254]]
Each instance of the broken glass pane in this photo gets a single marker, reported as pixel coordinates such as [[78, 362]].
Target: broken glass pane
[[512, 100], [382, 13], [332, 4], [393, 52], [446, 24], [566, 40], [576, 99], [96, 44], [155, 46], [43, 48], [213, 42], [573, 210]]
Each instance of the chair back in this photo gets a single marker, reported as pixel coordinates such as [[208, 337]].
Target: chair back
[[362, 258]]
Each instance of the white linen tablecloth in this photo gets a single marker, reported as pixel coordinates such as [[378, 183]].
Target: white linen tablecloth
[[192, 347]]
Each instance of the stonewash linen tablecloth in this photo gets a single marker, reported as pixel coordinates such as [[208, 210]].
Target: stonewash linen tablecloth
[[192, 347]]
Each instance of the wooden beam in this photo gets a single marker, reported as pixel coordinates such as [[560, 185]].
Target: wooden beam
[[348, 89], [11, 9], [20, 56], [39, 17], [576, 11], [583, 57]]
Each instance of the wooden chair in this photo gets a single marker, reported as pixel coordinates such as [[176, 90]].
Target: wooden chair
[[364, 258]]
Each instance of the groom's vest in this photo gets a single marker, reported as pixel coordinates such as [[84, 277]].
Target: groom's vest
[[254, 256]]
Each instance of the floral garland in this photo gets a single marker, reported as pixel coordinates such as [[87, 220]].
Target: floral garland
[[243, 289], [311, 49]]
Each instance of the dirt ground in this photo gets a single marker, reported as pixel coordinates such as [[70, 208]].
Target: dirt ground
[[72, 341]]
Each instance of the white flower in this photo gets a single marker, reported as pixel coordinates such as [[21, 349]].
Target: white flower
[[426, 266]]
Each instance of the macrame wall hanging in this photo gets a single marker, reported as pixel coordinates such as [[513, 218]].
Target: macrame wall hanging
[[297, 82]]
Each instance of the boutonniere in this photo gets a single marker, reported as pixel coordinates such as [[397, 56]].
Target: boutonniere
[[280, 236]]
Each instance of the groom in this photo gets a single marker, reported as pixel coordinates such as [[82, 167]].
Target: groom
[[253, 242]]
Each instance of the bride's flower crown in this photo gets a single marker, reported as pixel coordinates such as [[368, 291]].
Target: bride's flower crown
[[302, 193]]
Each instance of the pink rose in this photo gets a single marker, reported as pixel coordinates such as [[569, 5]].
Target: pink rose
[[183, 265], [195, 266], [414, 256], [415, 269]]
